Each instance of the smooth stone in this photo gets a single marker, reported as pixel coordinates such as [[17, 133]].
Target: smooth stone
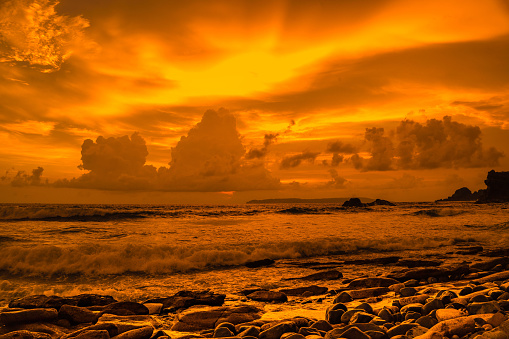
[[483, 307], [412, 307], [397, 287], [345, 318], [503, 296], [41, 301], [343, 297], [322, 325], [431, 305], [251, 331], [416, 299], [28, 316], [493, 277], [479, 299], [407, 291], [291, 335], [411, 283], [386, 315], [277, 331], [314, 336], [111, 328], [306, 331], [93, 334], [416, 331], [400, 329], [125, 308], [366, 307], [412, 315], [129, 322], [23, 334], [138, 333], [449, 313], [324, 275], [334, 316], [87, 300], [221, 332], [426, 321], [354, 333], [154, 308], [77, 315], [466, 290], [338, 332], [361, 317], [497, 319], [229, 326], [196, 320], [268, 296], [377, 335], [378, 321], [310, 290], [371, 282], [457, 326], [185, 299]]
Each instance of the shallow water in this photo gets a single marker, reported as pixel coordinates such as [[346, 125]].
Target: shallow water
[[134, 252]]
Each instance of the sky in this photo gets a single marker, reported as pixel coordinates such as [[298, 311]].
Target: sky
[[164, 101]]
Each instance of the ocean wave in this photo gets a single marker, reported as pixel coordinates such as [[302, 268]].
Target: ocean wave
[[66, 213], [112, 259], [435, 212]]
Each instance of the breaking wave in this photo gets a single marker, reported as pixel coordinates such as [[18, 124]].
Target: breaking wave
[[435, 212], [113, 259]]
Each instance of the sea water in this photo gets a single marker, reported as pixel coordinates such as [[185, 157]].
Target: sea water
[[137, 252]]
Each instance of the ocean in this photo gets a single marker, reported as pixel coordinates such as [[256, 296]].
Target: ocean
[[138, 252]]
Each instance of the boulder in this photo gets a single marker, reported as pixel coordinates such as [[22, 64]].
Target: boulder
[[350, 333], [400, 329], [338, 331], [483, 307], [77, 315], [87, 300], [111, 328], [127, 323], [42, 301], [93, 334], [310, 290], [449, 313], [501, 276], [368, 292], [416, 299], [125, 308], [23, 334], [354, 202], [196, 320], [25, 316], [381, 202], [138, 333], [322, 325], [268, 296], [278, 330]]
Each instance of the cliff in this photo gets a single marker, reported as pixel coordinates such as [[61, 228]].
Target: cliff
[[497, 189]]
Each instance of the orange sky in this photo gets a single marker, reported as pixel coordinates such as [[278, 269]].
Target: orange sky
[[194, 100]]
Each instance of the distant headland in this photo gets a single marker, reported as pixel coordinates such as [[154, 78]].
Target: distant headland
[[304, 201], [497, 190]]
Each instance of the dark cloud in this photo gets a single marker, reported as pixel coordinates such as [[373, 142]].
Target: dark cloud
[[336, 159], [296, 160], [339, 147], [435, 144], [257, 153], [496, 108], [24, 179], [337, 181]]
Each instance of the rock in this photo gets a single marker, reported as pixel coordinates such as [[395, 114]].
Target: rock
[[343, 297], [93, 334], [381, 202], [426, 321], [196, 320], [466, 290], [457, 326], [259, 263], [186, 299], [353, 202], [366, 307], [77, 315], [415, 332], [268, 296], [400, 329], [324, 275], [53, 330], [361, 317], [28, 316], [493, 277], [345, 318], [221, 332], [125, 308], [449, 313], [138, 333], [483, 307], [407, 291], [41, 301], [462, 194], [129, 322], [252, 331], [412, 308], [368, 292], [322, 325], [312, 290], [431, 305], [306, 331], [412, 263], [429, 272], [87, 300], [333, 316], [23, 334], [497, 187], [354, 333], [412, 315], [497, 319], [371, 282], [490, 264], [385, 314], [416, 299], [338, 332], [112, 330], [377, 335], [229, 326], [154, 308], [278, 330], [291, 335]]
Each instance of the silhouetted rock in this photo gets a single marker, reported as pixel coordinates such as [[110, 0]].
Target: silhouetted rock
[[259, 263], [462, 194], [497, 189], [354, 202], [381, 202]]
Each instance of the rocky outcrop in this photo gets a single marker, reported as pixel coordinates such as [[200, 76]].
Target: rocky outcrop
[[497, 189], [465, 194]]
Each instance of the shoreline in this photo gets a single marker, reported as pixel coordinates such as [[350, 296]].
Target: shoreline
[[428, 302]]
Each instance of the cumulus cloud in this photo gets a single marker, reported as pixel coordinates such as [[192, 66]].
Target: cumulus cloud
[[337, 181], [209, 159], [32, 33], [339, 147], [435, 144], [24, 179], [296, 160], [257, 153]]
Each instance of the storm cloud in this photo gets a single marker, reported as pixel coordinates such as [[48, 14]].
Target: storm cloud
[[296, 160]]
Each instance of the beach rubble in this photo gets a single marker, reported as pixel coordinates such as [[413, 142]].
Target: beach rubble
[[416, 303]]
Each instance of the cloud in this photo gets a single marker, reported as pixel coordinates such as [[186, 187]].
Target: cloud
[[339, 147], [24, 179], [257, 153], [295, 160], [337, 181], [435, 144], [32, 33]]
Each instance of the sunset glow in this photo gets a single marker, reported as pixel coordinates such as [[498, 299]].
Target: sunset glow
[[232, 100]]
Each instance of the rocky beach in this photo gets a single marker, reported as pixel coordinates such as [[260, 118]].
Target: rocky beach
[[426, 302]]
